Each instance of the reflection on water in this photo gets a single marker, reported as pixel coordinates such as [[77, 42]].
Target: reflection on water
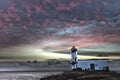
[[25, 75]]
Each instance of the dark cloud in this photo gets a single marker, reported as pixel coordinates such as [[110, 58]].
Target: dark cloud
[[76, 22]]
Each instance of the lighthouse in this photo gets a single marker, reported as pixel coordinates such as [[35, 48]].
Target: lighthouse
[[74, 59]]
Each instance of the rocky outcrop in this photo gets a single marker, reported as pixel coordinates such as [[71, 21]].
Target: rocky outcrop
[[84, 75]]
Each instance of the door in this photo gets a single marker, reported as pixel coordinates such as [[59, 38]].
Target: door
[[92, 67]]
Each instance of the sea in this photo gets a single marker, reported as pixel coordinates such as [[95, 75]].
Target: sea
[[25, 75]]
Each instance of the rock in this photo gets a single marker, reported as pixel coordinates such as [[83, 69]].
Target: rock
[[84, 75]]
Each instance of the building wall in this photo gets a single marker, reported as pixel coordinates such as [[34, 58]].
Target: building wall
[[114, 65], [99, 64]]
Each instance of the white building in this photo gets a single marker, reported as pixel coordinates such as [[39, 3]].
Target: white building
[[74, 59], [88, 64], [93, 65]]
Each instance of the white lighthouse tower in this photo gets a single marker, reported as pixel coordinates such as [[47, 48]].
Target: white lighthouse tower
[[74, 59]]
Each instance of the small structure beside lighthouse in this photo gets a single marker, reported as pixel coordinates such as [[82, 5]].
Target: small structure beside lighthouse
[[89, 65]]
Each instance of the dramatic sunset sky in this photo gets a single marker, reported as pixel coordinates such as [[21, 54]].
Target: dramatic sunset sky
[[38, 27]]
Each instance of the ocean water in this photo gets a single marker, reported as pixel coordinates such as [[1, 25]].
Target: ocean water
[[25, 75]]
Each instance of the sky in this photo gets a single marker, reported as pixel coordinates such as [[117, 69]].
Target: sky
[[49, 26]]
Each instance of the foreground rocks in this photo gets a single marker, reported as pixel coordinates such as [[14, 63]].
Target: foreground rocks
[[84, 75]]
